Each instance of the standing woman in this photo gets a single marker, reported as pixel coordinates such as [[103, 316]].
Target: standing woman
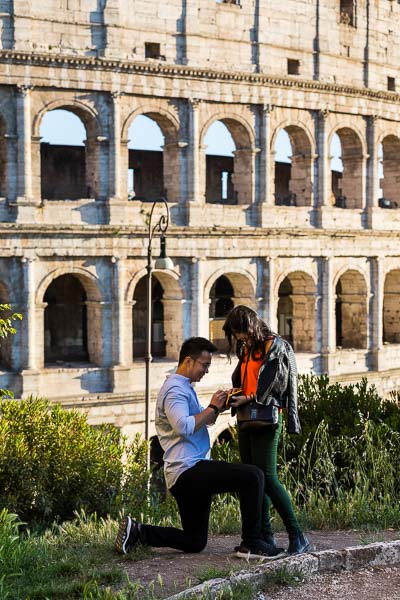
[[267, 374]]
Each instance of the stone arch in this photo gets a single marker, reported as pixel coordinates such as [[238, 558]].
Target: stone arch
[[242, 166], [296, 310], [294, 184], [391, 307], [5, 343], [80, 176], [351, 309], [223, 291], [349, 193], [156, 173], [167, 331], [49, 298], [390, 167]]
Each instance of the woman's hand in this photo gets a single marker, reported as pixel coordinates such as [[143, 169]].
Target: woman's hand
[[239, 400]]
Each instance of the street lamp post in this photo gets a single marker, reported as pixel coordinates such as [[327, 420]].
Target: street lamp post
[[163, 262]]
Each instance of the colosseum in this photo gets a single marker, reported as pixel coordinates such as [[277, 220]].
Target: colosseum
[[313, 246]]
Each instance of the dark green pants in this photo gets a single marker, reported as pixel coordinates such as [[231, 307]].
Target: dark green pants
[[260, 448]]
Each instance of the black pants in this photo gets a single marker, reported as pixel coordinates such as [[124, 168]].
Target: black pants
[[193, 492]]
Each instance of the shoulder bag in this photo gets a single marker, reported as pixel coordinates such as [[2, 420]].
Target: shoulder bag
[[255, 416]]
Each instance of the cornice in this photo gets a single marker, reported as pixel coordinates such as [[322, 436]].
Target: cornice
[[17, 230], [14, 57]]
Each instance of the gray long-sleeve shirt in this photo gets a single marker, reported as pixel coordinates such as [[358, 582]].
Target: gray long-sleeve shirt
[[177, 404]]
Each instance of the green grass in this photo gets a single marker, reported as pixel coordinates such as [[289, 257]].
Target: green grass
[[212, 573], [64, 562]]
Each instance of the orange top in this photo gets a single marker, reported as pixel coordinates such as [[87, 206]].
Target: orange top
[[249, 370]]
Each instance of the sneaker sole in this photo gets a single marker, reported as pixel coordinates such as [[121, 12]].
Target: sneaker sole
[[250, 556], [123, 535]]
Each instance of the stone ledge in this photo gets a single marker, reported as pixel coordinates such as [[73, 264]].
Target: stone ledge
[[376, 554]]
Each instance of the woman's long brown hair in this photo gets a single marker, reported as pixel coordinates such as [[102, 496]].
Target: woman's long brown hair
[[242, 319]]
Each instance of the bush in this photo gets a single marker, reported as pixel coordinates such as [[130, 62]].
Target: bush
[[344, 408], [52, 462]]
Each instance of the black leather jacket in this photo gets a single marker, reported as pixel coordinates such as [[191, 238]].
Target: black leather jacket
[[277, 381]]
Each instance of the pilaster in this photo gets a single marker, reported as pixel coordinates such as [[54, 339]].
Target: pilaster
[[25, 201], [200, 308], [118, 192], [372, 170], [122, 327], [328, 312], [376, 312], [323, 176]]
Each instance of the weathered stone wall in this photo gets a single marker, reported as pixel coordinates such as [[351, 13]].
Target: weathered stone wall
[[302, 244]]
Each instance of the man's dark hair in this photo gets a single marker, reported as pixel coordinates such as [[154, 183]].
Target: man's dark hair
[[194, 346]]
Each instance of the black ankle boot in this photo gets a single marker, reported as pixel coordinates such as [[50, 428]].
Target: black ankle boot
[[270, 539], [298, 543]]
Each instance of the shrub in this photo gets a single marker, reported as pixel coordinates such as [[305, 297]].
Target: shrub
[[344, 408], [52, 462]]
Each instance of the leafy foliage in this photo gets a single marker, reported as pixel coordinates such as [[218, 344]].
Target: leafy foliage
[[344, 408], [7, 328], [53, 463], [7, 320]]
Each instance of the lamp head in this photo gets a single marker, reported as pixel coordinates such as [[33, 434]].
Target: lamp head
[[163, 261]]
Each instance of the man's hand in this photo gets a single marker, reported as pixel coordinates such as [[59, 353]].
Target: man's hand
[[209, 415], [219, 399]]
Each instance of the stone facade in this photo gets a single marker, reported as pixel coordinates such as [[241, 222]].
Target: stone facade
[[314, 250]]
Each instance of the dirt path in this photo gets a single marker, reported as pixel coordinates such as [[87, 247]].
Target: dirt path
[[368, 584], [168, 571]]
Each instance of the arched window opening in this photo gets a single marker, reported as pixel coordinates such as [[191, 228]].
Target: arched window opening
[[389, 152], [283, 170], [293, 168], [5, 343], [66, 157], [337, 198], [139, 319], [221, 302], [146, 160], [296, 311], [347, 190], [220, 149], [391, 308], [65, 321], [351, 311], [3, 160]]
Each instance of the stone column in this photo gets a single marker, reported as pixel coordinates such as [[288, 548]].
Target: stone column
[[11, 174], [25, 201], [266, 163], [376, 312], [118, 193], [29, 316], [122, 327], [270, 301], [31, 331], [194, 194], [115, 147], [372, 169], [328, 312], [323, 178], [200, 305]]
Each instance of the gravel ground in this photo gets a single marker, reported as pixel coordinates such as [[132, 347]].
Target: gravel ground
[[168, 571], [364, 584]]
